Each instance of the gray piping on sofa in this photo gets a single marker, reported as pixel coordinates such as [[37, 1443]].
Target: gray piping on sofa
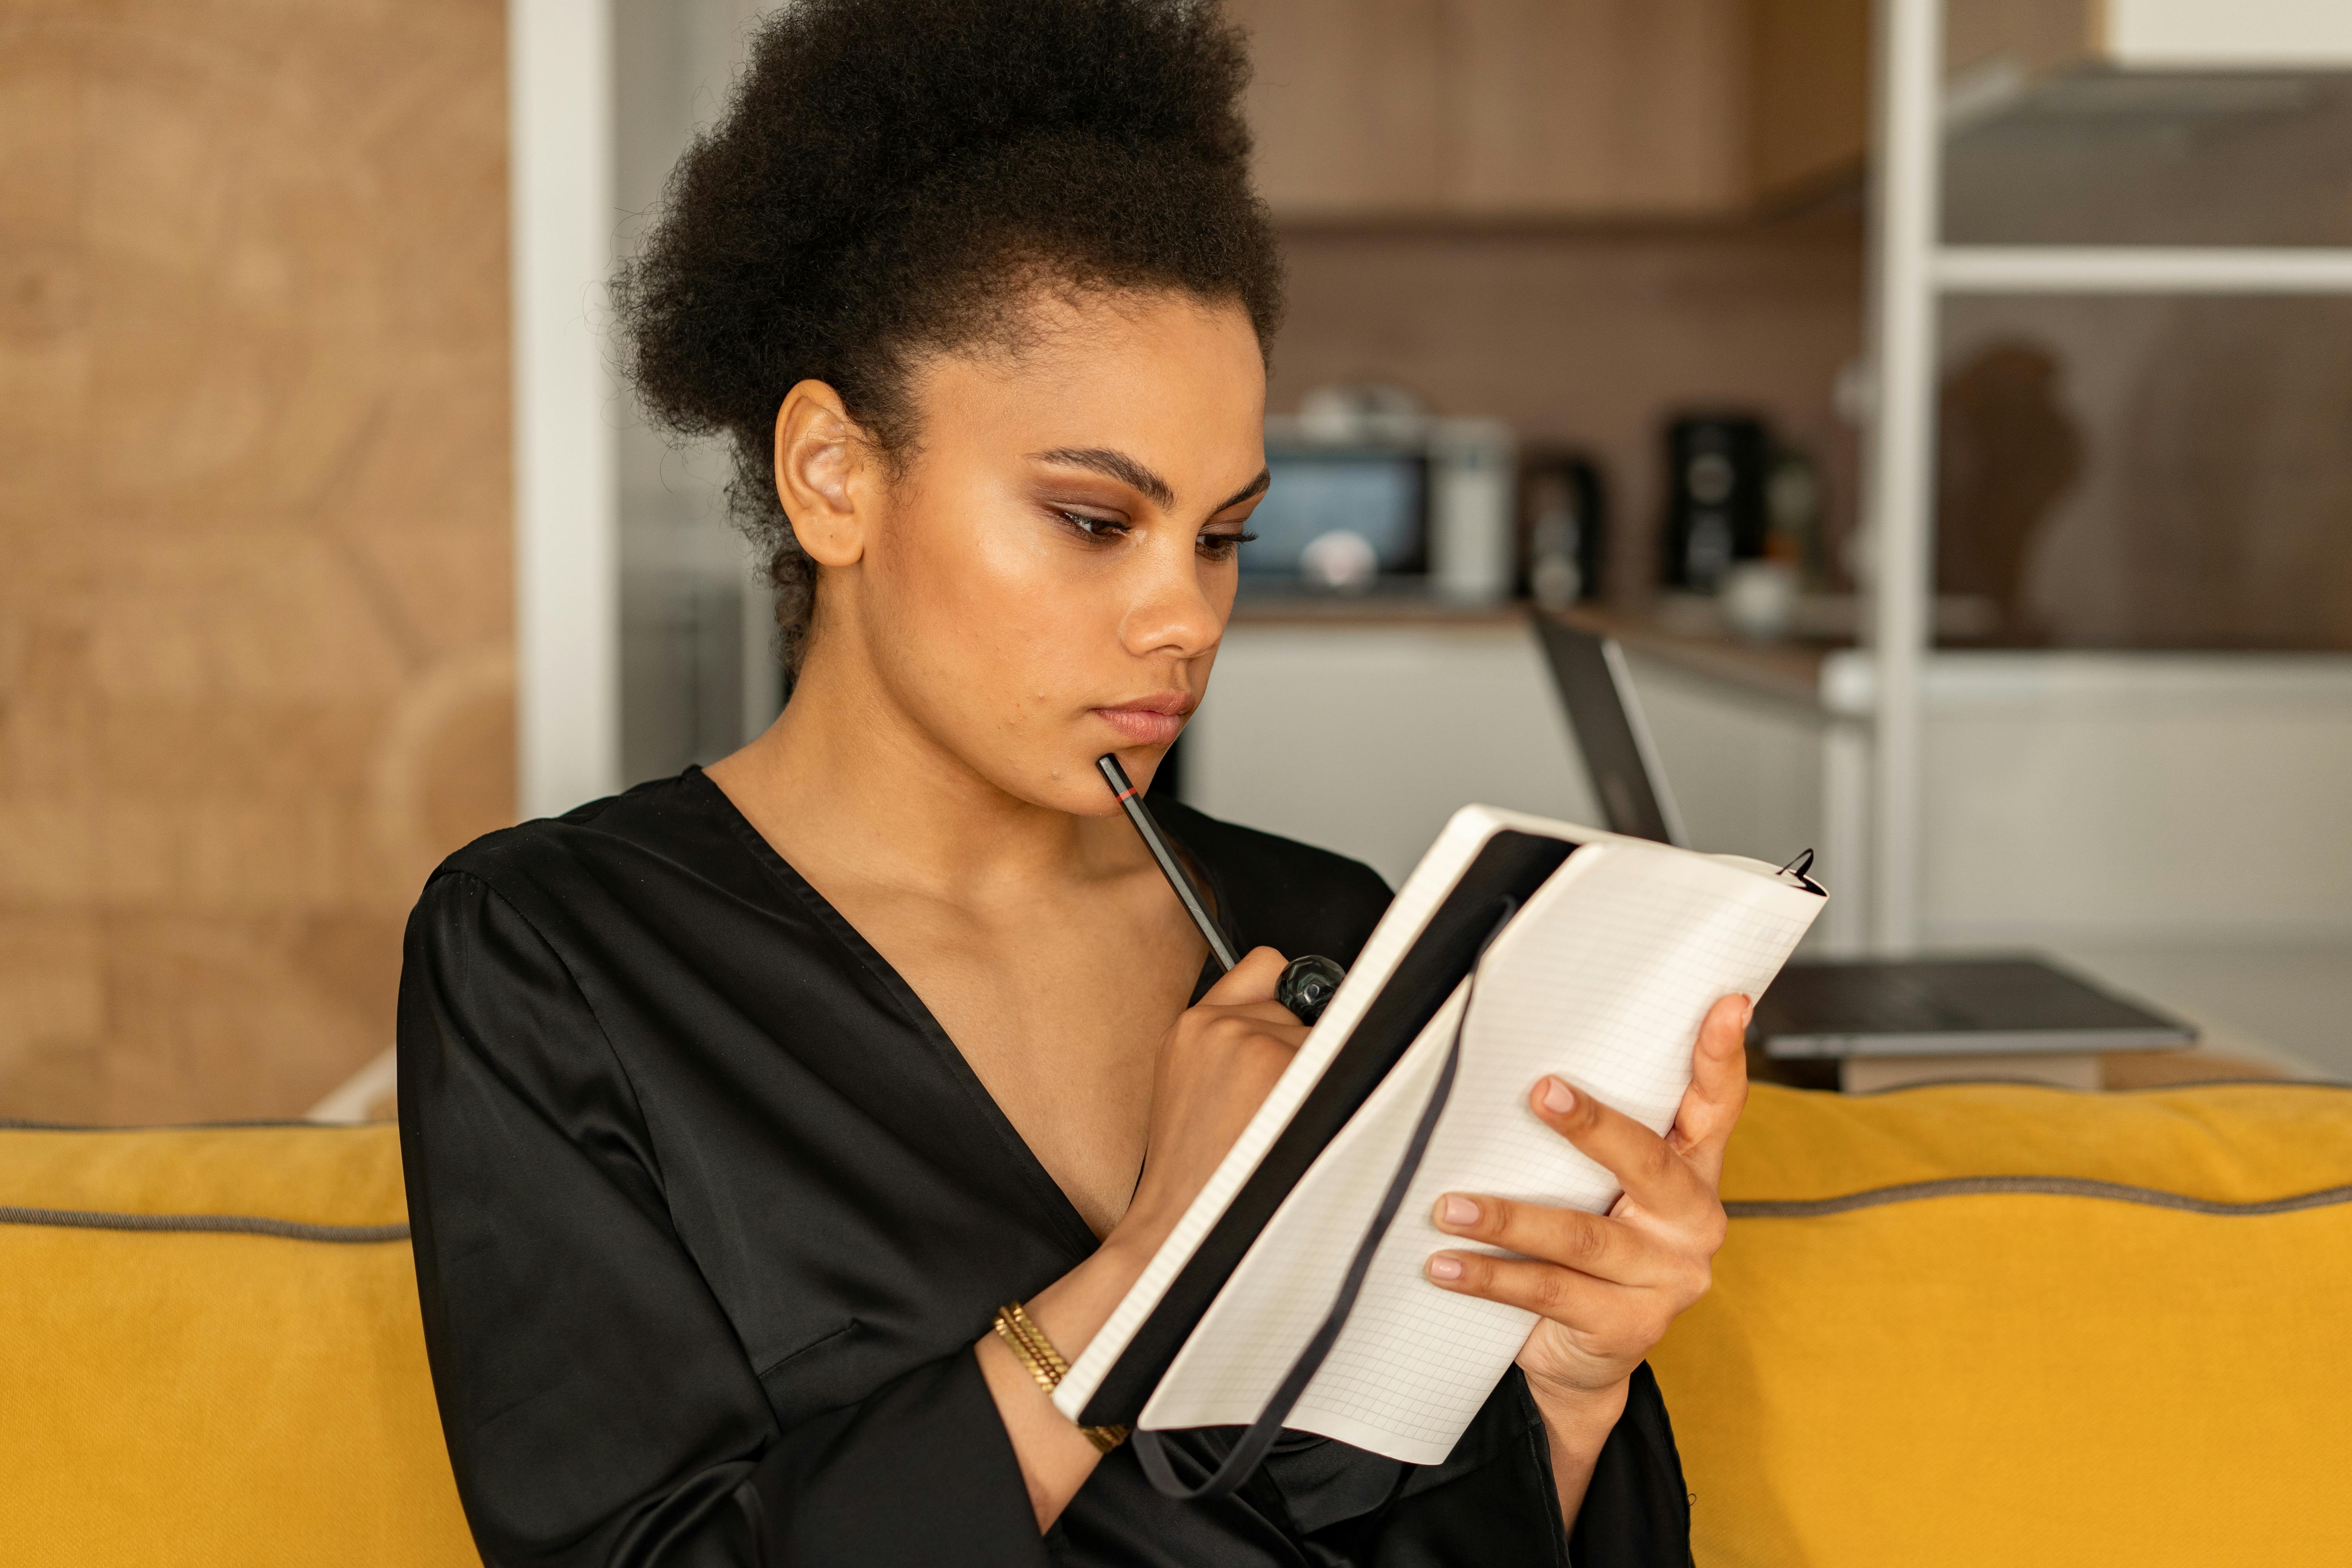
[[232, 1223], [2047, 1187]]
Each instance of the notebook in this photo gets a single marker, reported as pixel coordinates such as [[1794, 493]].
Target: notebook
[[1600, 955]]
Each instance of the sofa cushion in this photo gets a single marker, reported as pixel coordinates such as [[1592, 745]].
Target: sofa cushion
[[1999, 1324], [211, 1354]]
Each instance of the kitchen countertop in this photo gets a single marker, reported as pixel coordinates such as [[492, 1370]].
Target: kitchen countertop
[[1382, 609], [1793, 670], [1796, 670], [1836, 680]]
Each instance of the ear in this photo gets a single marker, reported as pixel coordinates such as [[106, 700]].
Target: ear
[[825, 472]]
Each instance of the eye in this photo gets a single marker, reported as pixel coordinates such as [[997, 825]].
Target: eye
[[1221, 546], [1100, 528]]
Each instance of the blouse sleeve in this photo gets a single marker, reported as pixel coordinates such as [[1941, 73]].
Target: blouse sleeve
[[1494, 1501], [598, 1407], [1636, 1510]]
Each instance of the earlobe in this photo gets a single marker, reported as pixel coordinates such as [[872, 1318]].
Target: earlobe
[[820, 458]]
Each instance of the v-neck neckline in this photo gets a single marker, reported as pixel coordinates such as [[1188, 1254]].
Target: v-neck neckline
[[1061, 1215]]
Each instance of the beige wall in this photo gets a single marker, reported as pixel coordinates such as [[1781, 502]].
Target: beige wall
[[255, 626]]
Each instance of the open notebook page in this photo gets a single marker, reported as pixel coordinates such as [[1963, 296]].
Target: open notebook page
[[1465, 834], [1603, 978]]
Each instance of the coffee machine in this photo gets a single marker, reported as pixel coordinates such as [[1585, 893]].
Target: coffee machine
[[1718, 468]]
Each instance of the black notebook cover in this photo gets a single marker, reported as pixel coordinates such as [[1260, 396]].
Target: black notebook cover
[[1510, 866]]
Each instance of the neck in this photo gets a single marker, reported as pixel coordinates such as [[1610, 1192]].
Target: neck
[[848, 776]]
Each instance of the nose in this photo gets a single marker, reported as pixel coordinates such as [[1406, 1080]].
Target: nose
[[1171, 609]]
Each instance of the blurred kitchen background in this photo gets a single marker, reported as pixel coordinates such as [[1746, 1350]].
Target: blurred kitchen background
[[333, 542]]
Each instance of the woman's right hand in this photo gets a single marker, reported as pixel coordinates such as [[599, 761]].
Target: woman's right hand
[[1217, 1062]]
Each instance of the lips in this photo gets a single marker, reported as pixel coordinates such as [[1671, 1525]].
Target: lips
[[1152, 721]]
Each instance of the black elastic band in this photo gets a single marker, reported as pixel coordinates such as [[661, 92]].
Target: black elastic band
[[1259, 1437]]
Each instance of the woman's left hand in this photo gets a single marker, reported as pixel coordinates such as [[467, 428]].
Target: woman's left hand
[[1607, 1286]]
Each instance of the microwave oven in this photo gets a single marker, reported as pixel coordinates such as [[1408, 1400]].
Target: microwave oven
[[1429, 509]]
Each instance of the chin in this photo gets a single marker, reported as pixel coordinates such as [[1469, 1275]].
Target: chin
[[1075, 785], [1053, 766]]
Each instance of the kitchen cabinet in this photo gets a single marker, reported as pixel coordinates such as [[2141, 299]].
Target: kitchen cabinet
[[1414, 717], [1344, 104], [1499, 108], [1573, 110], [2060, 787], [1599, 106], [1809, 121], [1810, 111], [2029, 37]]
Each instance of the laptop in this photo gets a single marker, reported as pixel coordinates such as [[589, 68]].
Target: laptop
[[1840, 1009]]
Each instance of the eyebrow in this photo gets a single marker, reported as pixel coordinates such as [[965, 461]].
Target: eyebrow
[[1116, 465], [1255, 487], [1112, 464]]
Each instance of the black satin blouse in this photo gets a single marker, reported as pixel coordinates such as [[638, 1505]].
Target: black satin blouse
[[708, 1213]]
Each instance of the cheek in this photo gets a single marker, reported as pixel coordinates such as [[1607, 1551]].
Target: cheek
[[986, 619]]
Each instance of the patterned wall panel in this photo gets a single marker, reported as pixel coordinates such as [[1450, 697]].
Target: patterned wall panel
[[256, 669]]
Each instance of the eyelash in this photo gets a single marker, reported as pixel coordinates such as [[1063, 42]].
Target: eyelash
[[1215, 546]]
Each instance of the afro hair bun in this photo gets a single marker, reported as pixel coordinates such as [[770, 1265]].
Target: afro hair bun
[[892, 176]]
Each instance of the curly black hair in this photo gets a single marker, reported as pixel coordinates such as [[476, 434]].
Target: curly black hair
[[895, 178]]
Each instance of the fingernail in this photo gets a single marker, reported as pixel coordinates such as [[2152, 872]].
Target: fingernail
[[1440, 1267], [1458, 1210], [1558, 1098], [1747, 1016]]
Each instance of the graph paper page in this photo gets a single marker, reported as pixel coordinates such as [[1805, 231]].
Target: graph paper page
[[1603, 978]]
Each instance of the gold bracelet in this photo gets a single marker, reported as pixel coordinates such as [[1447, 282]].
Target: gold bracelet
[[1019, 1330]]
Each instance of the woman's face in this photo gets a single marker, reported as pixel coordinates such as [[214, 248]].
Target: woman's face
[[1049, 576]]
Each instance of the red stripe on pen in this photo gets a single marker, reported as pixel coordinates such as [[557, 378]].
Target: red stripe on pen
[[1129, 790]]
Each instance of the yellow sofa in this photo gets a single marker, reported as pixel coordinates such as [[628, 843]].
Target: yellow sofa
[[1973, 1324], [1978, 1324], [210, 1353]]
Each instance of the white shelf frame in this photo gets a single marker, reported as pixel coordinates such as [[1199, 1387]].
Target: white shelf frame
[[567, 480], [1910, 270], [2139, 269], [1898, 459]]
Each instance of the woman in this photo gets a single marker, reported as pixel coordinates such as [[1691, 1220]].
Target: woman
[[735, 1107]]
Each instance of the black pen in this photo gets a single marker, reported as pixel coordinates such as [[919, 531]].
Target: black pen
[[1154, 841], [1308, 980]]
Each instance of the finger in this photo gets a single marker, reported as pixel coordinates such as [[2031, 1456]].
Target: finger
[[1587, 1243], [1272, 1015], [1258, 1021], [1652, 1173], [1251, 980], [1595, 1308], [1718, 1088]]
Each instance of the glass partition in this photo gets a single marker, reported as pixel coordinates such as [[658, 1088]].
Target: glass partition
[[2148, 472], [697, 669], [2160, 158]]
